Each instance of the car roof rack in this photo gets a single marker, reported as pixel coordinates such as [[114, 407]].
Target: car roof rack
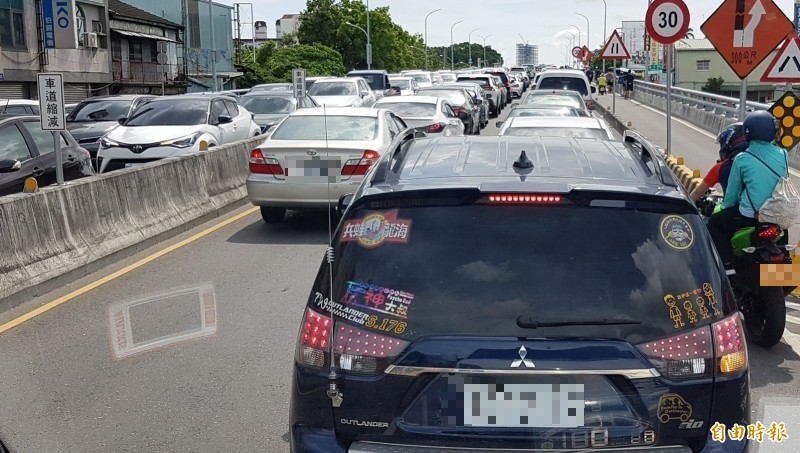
[[650, 153]]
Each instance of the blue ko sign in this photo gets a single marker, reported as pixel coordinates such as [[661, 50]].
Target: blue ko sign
[[59, 24]]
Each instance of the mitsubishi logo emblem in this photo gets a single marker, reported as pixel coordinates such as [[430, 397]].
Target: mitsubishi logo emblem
[[522, 361]]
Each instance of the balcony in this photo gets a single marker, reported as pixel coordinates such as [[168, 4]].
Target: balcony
[[145, 73]]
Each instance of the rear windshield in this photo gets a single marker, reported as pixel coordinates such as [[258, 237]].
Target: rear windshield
[[375, 81], [273, 87], [577, 132], [483, 82], [448, 77], [554, 99], [304, 127], [563, 111], [410, 109], [103, 110], [404, 84], [264, 105], [421, 78], [453, 97], [473, 269], [564, 83], [502, 76], [333, 89]]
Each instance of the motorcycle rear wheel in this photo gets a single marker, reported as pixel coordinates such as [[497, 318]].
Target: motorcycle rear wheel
[[766, 319]]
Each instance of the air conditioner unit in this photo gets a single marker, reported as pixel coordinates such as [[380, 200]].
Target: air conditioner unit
[[90, 40]]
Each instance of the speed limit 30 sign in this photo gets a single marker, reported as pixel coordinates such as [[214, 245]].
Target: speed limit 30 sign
[[667, 21]]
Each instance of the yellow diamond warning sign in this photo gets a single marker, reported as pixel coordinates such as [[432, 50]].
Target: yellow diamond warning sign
[[787, 111]]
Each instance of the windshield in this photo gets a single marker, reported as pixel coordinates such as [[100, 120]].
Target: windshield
[[404, 84], [448, 77], [554, 99], [578, 132], [333, 89], [170, 112], [421, 78], [273, 87], [483, 82], [264, 105], [564, 83], [101, 110], [375, 81], [453, 97], [305, 127], [410, 109], [485, 292], [543, 112]]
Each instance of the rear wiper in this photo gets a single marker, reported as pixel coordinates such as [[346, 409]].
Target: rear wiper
[[526, 322]]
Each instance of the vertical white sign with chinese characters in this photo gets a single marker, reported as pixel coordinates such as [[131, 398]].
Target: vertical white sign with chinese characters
[[51, 102], [299, 83]]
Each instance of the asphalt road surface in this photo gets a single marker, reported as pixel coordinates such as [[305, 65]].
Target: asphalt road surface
[[120, 365]]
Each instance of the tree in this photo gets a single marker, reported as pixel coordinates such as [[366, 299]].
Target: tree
[[316, 59], [713, 85], [320, 23]]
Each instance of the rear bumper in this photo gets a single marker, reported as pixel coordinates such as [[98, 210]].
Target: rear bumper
[[267, 191], [371, 447]]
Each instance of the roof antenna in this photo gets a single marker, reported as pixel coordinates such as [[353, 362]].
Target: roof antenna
[[333, 392], [523, 163]]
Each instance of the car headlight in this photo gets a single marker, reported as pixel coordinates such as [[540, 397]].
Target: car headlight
[[183, 142], [106, 143]]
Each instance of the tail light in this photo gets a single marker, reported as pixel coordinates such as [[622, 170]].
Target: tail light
[[692, 354], [459, 110], [436, 127], [770, 233], [731, 347], [525, 199], [264, 165], [355, 167], [589, 104], [355, 350]]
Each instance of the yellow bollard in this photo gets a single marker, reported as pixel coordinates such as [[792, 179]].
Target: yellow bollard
[[697, 174], [30, 186], [680, 161]]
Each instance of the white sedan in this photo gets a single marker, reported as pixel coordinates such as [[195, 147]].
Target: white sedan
[[316, 155], [174, 126], [567, 127], [430, 114]]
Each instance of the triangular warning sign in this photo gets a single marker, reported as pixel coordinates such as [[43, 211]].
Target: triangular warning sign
[[786, 65], [615, 49]]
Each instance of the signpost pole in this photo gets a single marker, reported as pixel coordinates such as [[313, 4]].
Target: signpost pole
[[743, 100], [669, 99], [59, 158], [614, 90]]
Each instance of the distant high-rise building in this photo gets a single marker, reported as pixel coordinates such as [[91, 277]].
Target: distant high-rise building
[[527, 54]]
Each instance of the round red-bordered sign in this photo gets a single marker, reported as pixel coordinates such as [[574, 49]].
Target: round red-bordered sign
[[667, 21], [576, 51]]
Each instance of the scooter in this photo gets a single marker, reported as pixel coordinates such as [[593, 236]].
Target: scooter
[[764, 307], [602, 90]]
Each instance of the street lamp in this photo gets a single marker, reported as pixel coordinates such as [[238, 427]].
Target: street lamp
[[484, 47], [452, 55], [426, 36], [605, 18], [572, 41], [588, 36], [369, 63], [469, 43], [579, 34]]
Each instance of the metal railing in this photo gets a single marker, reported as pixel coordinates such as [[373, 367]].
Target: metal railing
[[720, 105]]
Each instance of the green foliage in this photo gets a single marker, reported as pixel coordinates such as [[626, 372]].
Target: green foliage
[[713, 85], [461, 56], [276, 64]]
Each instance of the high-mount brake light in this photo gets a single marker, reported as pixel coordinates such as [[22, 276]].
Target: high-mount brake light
[[525, 199], [360, 167]]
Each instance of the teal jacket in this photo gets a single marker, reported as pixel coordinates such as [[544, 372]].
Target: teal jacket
[[760, 182]]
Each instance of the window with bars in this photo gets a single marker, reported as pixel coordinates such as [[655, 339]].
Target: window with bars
[[703, 65], [12, 24], [134, 50]]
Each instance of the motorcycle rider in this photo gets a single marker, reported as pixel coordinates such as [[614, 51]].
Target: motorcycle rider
[[602, 84], [731, 141], [750, 184]]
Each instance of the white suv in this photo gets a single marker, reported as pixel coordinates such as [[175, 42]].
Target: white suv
[[568, 79]]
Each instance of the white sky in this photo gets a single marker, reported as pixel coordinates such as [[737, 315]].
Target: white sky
[[541, 22]]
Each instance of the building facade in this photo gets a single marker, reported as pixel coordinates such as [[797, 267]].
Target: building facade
[[527, 54], [286, 25], [198, 52], [137, 39], [86, 69]]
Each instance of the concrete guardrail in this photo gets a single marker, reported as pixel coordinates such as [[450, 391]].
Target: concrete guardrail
[[72, 230]]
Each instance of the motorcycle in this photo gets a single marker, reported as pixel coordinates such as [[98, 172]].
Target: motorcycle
[[764, 307], [602, 90]]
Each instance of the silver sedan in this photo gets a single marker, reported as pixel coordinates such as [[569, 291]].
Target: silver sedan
[[316, 155], [430, 114]]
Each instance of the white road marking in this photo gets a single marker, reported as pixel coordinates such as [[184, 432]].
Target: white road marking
[[793, 320], [792, 339], [794, 305], [695, 128]]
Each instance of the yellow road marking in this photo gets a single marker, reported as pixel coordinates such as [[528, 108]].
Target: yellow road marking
[[96, 284]]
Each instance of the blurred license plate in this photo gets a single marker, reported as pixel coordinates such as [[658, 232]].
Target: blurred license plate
[[517, 405], [133, 164], [315, 169]]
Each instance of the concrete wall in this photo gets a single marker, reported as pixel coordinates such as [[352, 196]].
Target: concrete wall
[[63, 229]]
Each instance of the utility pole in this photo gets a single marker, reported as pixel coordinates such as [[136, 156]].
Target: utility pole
[[213, 47], [238, 32], [369, 44], [484, 47]]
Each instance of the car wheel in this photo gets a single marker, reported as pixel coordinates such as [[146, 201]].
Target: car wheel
[[273, 215]]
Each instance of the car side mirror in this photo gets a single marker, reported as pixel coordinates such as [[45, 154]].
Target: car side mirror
[[594, 90], [344, 202], [364, 94], [224, 119], [121, 121], [498, 124], [9, 165], [479, 101]]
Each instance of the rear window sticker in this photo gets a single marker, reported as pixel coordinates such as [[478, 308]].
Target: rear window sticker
[[339, 310], [386, 324], [672, 406], [701, 305], [690, 313], [708, 290], [378, 298], [677, 232], [674, 312], [377, 228]]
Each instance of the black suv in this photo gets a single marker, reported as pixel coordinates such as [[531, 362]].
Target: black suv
[[519, 293]]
